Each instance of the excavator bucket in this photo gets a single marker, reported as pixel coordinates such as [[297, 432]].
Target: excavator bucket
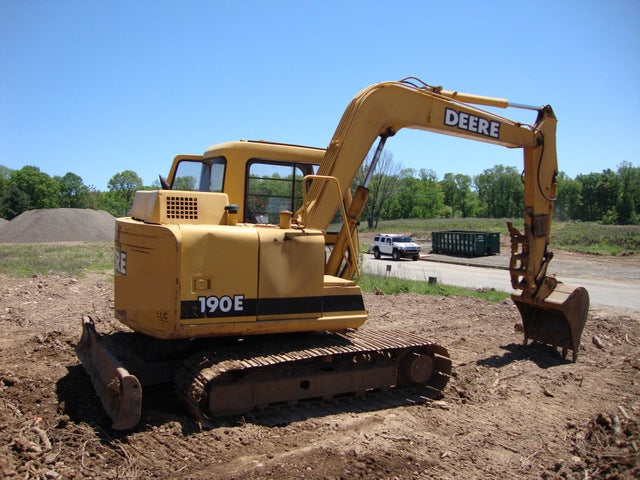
[[118, 390], [552, 312], [558, 320]]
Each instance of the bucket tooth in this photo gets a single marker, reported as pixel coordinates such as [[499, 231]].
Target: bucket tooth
[[558, 320]]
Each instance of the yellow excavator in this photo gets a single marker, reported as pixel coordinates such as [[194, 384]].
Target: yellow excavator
[[238, 278]]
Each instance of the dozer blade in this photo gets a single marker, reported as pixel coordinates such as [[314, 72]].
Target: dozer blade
[[558, 320], [118, 390]]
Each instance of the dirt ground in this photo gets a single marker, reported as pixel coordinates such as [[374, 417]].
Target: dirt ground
[[509, 412]]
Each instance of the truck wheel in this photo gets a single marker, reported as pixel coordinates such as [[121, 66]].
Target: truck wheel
[[395, 255], [415, 257], [376, 253]]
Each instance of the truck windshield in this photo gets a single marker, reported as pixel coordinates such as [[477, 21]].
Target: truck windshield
[[402, 239]]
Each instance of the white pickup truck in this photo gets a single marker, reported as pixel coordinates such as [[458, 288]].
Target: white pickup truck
[[398, 246]]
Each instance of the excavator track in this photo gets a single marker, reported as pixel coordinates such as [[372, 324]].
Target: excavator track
[[291, 368], [226, 377]]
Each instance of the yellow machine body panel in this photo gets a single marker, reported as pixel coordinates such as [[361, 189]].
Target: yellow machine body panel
[[145, 288], [282, 253], [201, 279], [218, 276], [179, 207]]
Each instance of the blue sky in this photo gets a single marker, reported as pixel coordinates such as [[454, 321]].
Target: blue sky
[[97, 87]]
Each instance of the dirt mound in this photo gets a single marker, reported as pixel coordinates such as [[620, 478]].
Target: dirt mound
[[59, 225]]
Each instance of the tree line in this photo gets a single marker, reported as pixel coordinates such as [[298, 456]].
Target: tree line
[[29, 188], [610, 197]]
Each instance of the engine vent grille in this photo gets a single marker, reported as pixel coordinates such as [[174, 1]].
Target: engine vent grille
[[182, 208]]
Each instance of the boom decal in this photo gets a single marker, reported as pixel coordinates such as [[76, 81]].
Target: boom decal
[[471, 123]]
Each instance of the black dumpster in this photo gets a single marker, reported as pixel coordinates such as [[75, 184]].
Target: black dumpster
[[465, 242]]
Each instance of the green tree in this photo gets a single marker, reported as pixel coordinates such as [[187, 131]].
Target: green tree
[[430, 197], [590, 209], [28, 189], [402, 202], [458, 195], [93, 198], [607, 190], [569, 198], [500, 191], [13, 201], [5, 173], [115, 203], [122, 188], [73, 191], [419, 195], [600, 191], [628, 198], [127, 181], [470, 204]]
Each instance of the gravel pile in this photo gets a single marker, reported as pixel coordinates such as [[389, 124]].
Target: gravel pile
[[59, 225]]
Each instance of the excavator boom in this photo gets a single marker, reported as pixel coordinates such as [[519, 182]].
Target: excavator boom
[[551, 314]]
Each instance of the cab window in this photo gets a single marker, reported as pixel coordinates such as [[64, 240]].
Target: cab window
[[203, 175], [272, 187]]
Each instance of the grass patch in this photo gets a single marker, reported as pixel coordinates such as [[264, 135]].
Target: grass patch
[[423, 227], [392, 285], [26, 260], [593, 237]]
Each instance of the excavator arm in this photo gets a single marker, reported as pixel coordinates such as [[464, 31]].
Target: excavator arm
[[552, 313]]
